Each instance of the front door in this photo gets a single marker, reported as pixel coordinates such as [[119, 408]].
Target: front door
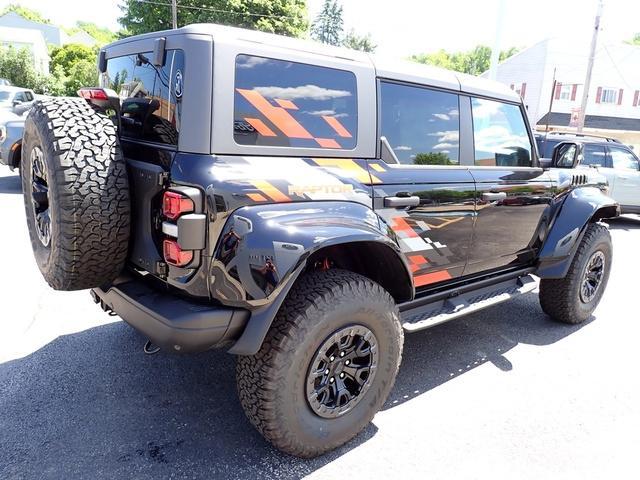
[[626, 187], [427, 199], [512, 194]]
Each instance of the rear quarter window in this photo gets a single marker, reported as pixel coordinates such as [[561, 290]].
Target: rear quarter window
[[289, 104]]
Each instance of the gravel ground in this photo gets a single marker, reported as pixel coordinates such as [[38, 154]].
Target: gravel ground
[[504, 393]]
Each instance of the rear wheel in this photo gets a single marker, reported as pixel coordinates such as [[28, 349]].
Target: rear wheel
[[574, 298], [76, 194], [327, 365]]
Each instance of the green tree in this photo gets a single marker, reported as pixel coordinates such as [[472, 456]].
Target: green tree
[[359, 42], [17, 65], [68, 55], [328, 25], [285, 17], [432, 158], [474, 62], [25, 13], [81, 74], [100, 34]]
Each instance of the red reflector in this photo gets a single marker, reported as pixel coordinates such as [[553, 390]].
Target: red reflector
[[175, 204], [174, 255], [93, 94]]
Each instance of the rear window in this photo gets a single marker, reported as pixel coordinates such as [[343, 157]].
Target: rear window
[[150, 95], [289, 104]]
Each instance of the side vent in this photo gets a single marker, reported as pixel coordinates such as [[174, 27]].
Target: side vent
[[578, 180]]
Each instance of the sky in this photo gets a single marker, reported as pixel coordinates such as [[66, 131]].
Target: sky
[[404, 27]]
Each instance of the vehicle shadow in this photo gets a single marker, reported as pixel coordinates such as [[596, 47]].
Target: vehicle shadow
[[10, 184], [91, 404]]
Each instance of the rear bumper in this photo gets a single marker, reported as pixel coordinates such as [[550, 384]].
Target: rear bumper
[[169, 321]]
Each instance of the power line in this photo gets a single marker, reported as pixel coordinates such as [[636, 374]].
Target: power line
[[216, 10]]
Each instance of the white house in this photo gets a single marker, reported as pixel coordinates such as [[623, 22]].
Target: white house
[[613, 106], [33, 40], [53, 34]]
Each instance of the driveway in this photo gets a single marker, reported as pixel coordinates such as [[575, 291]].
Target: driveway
[[505, 393]]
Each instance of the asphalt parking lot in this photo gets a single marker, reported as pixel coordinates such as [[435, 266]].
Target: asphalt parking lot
[[504, 393]]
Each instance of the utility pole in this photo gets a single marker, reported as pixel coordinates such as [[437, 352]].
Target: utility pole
[[174, 13], [495, 51], [592, 56]]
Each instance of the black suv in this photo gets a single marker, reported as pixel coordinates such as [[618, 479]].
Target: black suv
[[301, 206]]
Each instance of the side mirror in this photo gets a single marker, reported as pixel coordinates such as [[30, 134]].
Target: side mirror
[[566, 155], [17, 102]]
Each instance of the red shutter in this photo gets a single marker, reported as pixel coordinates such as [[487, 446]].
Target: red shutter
[[574, 90], [599, 95], [635, 98], [558, 88], [523, 89], [620, 96]]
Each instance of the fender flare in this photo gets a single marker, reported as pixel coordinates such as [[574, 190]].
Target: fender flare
[[310, 230], [579, 207]]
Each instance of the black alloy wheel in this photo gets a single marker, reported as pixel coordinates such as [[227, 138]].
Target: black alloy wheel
[[592, 278], [40, 196], [342, 371]]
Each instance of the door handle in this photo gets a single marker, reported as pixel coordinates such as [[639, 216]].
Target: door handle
[[493, 196], [395, 202]]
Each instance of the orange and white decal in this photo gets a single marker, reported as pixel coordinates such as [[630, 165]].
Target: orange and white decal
[[337, 126]]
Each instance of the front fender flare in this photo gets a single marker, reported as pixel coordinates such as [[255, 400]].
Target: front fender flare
[[579, 207]]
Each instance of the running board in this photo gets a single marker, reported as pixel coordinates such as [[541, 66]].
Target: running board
[[443, 310]]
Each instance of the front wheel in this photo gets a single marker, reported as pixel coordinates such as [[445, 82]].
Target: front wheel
[[574, 298], [327, 365]]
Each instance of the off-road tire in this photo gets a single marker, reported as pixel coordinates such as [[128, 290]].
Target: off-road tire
[[88, 194], [560, 298], [271, 383]]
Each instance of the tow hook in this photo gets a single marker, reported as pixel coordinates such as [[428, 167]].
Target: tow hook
[[150, 349], [106, 308]]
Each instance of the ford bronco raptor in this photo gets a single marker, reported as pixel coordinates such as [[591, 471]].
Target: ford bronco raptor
[[301, 206]]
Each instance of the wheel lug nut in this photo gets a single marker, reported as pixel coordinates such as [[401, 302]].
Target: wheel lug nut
[[342, 375], [347, 362], [332, 358], [342, 354], [326, 372], [331, 380]]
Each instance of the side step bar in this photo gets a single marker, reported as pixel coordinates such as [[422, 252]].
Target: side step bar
[[444, 309]]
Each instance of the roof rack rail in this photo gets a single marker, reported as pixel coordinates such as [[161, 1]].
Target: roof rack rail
[[583, 135]]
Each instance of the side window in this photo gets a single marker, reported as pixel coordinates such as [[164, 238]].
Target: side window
[[290, 104], [593, 155], [623, 159], [150, 95], [20, 97], [500, 134], [566, 155], [28, 96], [421, 125]]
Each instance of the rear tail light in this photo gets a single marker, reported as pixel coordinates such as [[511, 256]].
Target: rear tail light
[[175, 204], [93, 94], [174, 255]]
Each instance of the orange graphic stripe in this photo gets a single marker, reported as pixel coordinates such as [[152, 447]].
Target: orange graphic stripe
[[261, 127], [351, 168], [288, 104], [256, 197], [417, 259], [400, 225], [337, 126], [327, 143], [270, 191], [427, 278], [277, 115]]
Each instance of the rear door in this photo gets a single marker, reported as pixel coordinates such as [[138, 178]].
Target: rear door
[[422, 127], [512, 192], [626, 188]]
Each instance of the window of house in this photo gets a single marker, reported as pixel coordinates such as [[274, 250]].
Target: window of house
[[290, 104], [593, 155], [609, 95], [151, 95], [500, 134], [421, 125], [623, 159], [565, 92]]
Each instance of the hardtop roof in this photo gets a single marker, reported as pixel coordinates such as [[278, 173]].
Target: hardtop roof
[[390, 68]]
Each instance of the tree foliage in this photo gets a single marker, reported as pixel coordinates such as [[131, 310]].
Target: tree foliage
[[285, 17], [328, 25], [363, 43], [635, 40], [25, 12], [75, 66], [17, 66], [100, 34], [474, 62], [67, 55], [432, 158]]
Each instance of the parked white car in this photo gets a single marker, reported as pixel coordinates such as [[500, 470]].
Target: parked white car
[[16, 99], [611, 159]]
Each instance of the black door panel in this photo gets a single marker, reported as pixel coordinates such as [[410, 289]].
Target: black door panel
[[511, 204]]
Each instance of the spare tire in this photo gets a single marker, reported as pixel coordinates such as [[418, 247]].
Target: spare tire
[[76, 194]]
